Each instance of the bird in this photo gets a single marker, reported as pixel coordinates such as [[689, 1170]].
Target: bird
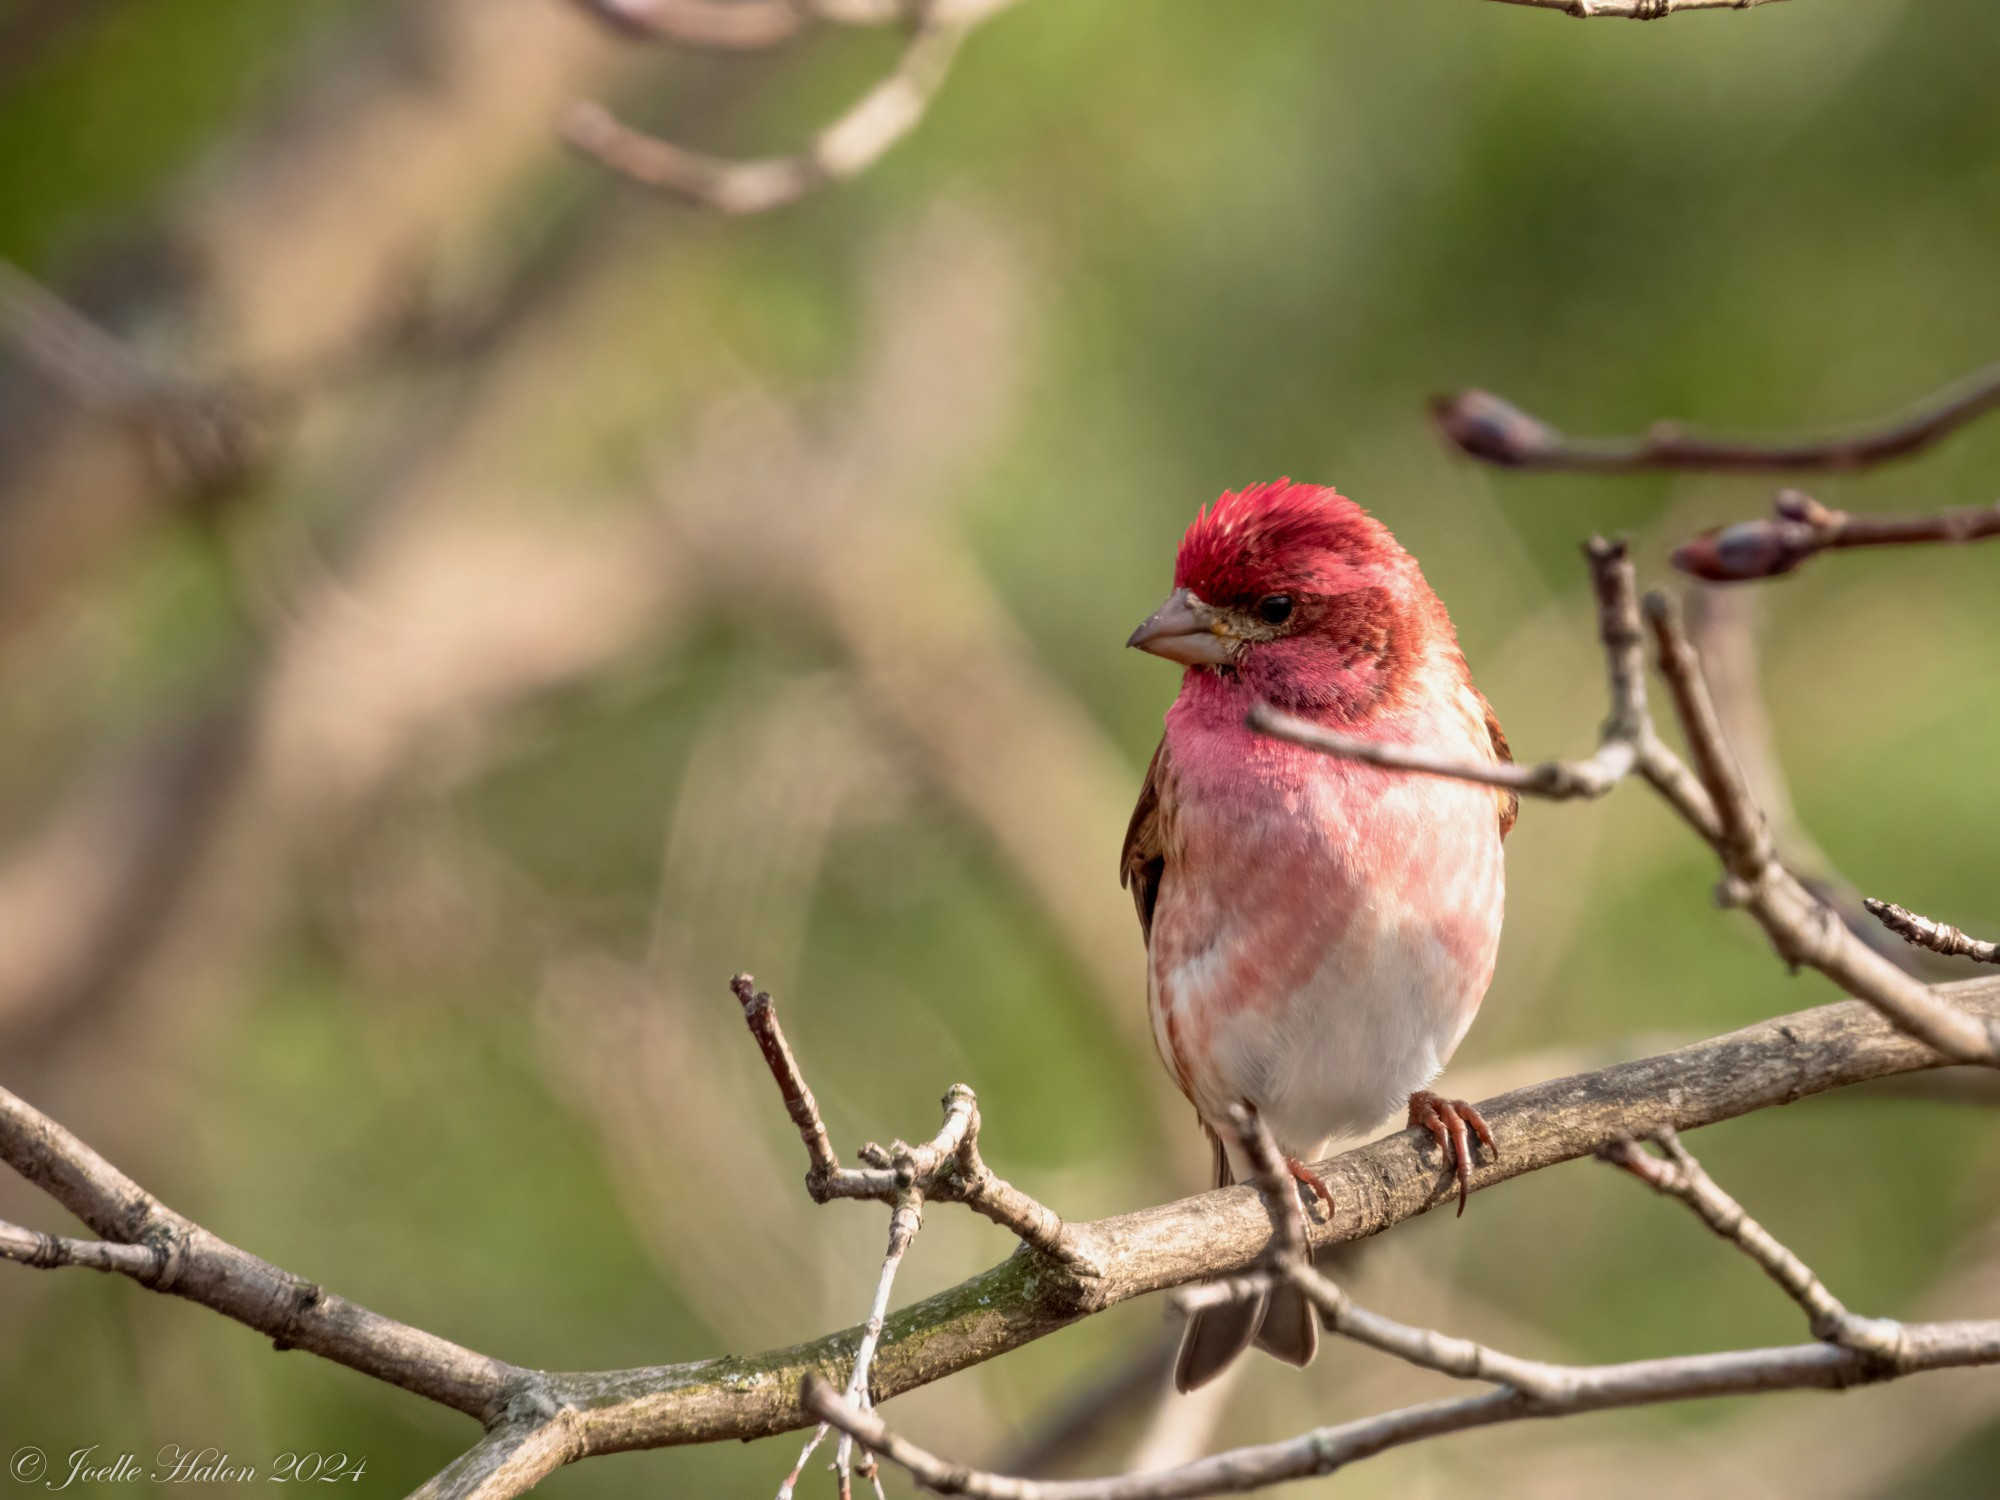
[[1319, 932]]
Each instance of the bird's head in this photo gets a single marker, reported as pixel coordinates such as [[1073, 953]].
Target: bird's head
[[1302, 595]]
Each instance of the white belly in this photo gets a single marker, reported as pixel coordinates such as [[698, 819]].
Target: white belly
[[1400, 924]]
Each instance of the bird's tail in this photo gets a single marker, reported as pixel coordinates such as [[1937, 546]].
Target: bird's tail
[[1280, 1322]]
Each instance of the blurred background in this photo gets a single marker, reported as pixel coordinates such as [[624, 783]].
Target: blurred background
[[479, 604]]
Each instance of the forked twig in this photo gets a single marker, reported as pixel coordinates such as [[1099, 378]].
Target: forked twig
[[1714, 800]]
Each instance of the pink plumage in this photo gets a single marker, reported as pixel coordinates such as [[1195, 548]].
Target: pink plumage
[[1319, 932]]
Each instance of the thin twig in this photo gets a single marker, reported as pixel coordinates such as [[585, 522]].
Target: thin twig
[[851, 144], [183, 1258], [1678, 1175], [1617, 750], [30, 1247], [1714, 800], [1585, 1388], [1800, 528], [762, 1020], [1722, 625], [949, 1167], [904, 1223], [1634, 10], [1926, 932], [1803, 928], [1487, 427], [743, 25]]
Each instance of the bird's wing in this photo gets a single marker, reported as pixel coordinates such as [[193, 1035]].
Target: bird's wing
[[1510, 802], [1145, 856]]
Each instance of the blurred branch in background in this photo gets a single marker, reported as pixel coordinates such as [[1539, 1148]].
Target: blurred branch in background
[[882, 117], [825, 514], [294, 254], [1490, 428], [851, 144], [1635, 10], [87, 899], [208, 439]]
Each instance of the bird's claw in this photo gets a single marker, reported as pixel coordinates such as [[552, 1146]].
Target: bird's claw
[[1307, 1177], [1447, 1121]]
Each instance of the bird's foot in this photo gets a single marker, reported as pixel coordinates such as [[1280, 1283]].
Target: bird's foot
[[1447, 1121], [1307, 1177]]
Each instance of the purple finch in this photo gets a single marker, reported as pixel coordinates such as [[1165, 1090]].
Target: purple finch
[[1319, 932]]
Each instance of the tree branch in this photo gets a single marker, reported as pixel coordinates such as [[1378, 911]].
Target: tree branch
[[1803, 928], [1800, 527], [1853, 1350], [510, 1460], [1617, 752], [1678, 1175], [1634, 10], [1924, 932], [1495, 431], [743, 25], [850, 145], [183, 1258], [1030, 1294], [205, 438], [1589, 1388], [1712, 798]]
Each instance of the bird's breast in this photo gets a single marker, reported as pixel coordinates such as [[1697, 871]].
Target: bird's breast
[[1325, 930]]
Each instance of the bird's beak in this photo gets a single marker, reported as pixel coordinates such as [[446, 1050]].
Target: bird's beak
[[1187, 631]]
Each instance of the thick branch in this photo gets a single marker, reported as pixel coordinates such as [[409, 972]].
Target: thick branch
[[1495, 431], [1026, 1296], [1226, 1232], [1800, 527]]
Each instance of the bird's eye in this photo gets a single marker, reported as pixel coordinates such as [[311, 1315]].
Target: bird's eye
[[1275, 608]]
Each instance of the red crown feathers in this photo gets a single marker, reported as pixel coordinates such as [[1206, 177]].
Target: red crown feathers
[[1282, 536]]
